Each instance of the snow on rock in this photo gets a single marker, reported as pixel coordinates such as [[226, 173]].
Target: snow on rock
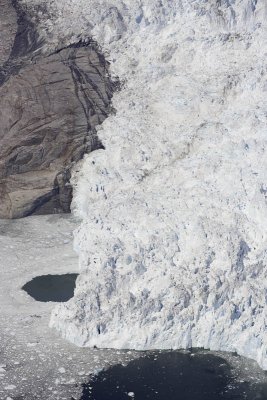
[[173, 243]]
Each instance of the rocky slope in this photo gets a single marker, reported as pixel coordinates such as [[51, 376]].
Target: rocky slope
[[8, 24], [50, 103]]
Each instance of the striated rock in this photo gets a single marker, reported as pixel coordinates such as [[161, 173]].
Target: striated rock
[[49, 108]]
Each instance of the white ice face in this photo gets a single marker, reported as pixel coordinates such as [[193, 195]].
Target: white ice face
[[173, 243]]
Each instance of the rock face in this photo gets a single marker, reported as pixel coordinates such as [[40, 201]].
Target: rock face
[[50, 105], [8, 26]]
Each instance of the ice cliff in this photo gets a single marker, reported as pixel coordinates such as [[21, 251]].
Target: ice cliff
[[173, 240]]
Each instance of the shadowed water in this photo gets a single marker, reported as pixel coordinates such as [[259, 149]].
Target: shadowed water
[[173, 376], [57, 288]]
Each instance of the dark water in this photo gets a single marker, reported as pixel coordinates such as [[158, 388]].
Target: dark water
[[58, 288], [173, 376]]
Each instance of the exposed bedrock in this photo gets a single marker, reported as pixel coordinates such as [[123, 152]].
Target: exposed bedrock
[[49, 108], [8, 27]]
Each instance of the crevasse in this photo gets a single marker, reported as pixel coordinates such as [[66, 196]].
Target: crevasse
[[173, 239]]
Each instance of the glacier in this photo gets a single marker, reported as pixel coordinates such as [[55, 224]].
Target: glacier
[[173, 242]]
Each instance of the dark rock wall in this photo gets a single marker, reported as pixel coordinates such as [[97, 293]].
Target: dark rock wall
[[49, 108]]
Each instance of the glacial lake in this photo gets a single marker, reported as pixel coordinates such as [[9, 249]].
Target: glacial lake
[[173, 375], [57, 288]]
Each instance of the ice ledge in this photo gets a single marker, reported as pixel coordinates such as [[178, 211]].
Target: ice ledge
[[176, 258]]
